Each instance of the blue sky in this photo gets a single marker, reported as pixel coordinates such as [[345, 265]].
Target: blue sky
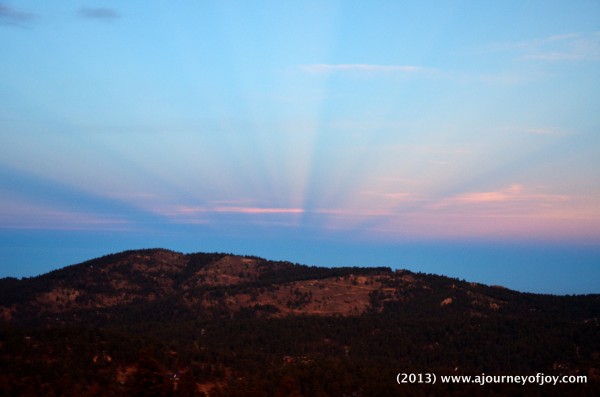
[[455, 137]]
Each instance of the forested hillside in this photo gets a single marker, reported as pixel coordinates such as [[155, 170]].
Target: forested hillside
[[157, 322]]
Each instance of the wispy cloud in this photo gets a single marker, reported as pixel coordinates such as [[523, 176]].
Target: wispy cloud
[[217, 214], [188, 210], [565, 47], [259, 210], [511, 211], [546, 132], [512, 198], [510, 193], [21, 215], [13, 16], [101, 13], [354, 213], [362, 67]]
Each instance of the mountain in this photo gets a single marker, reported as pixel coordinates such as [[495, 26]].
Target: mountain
[[158, 322]]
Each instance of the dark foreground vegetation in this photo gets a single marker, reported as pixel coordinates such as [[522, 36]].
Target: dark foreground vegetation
[[184, 337]]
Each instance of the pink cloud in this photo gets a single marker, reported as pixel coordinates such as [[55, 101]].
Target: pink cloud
[[527, 198], [357, 213], [190, 210], [259, 210], [510, 193]]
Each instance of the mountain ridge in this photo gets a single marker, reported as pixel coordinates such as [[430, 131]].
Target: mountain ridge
[[283, 287], [232, 325]]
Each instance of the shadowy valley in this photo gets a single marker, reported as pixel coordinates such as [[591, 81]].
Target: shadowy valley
[[161, 323]]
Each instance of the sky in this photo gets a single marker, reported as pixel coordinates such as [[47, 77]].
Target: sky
[[450, 137]]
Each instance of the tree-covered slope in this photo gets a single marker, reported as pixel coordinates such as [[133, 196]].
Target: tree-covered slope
[[162, 322]]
